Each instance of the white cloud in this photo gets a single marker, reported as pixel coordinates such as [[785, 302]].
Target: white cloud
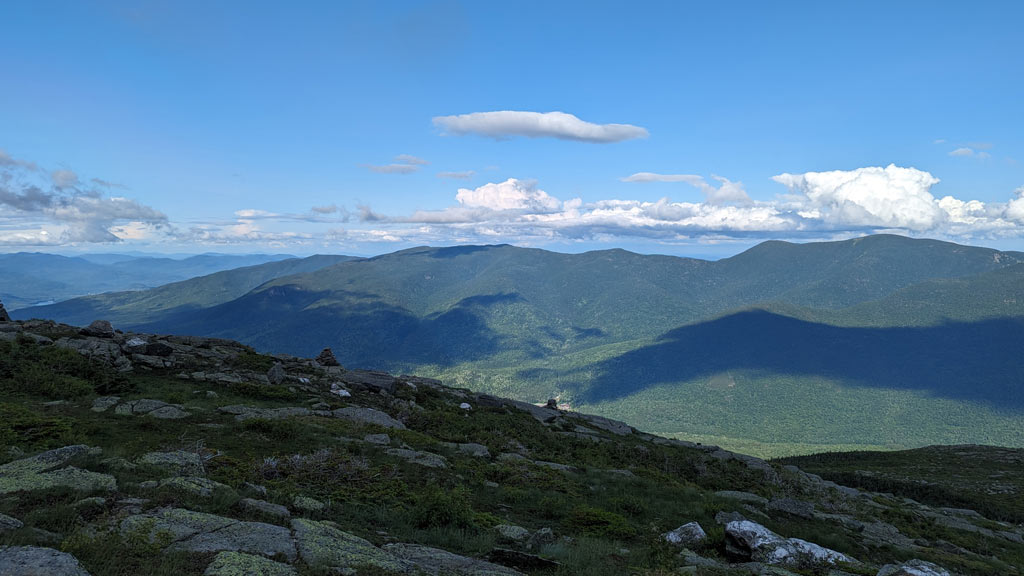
[[728, 192], [1015, 209], [968, 152], [330, 209], [508, 123], [654, 177], [511, 194], [409, 159], [890, 197], [393, 168], [457, 175]]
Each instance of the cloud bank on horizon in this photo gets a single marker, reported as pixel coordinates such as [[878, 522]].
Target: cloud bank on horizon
[[56, 208]]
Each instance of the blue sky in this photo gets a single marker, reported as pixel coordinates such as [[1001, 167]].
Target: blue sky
[[685, 128]]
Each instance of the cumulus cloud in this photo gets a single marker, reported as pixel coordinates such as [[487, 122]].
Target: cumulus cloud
[[890, 197], [507, 123], [511, 194], [457, 175]]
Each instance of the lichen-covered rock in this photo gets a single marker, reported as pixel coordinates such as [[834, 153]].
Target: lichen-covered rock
[[48, 470], [688, 534], [470, 448], [751, 540], [422, 458], [793, 507], [323, 546], [36, 561], [190, 531], [307, 504], [239, 564], [437, 562], [276, 374], [378, 439], [746, 497], [194, 485], [913, 568], [180, 462], [512, 533], [368, 416]]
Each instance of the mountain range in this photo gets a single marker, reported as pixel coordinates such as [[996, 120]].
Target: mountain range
[[876, 342], [30, 278]]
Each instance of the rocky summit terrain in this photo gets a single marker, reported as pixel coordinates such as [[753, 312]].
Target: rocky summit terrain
[[125, 453]]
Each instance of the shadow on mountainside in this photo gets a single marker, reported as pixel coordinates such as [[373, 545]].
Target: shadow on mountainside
[[980, 361], [363, 330]]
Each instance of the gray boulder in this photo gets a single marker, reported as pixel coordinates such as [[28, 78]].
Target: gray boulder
[[307, 504], [264, 507], [153, 408], [746, 497], [793, 507], [437, 562], [378, 439], [103, 403], [276, 374], [689, 534], [913, 568], [367, 416], [249, 412], [8, 523], [99, 329], [322, 546], [36, 561], [748, 539]]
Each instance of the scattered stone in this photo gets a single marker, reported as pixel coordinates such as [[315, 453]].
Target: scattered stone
[[437, 562], [326, 358], [913, 568], [749, 540], [150, 407], [465, 406], [201, 532], [36, 561], [427, 459], [261, 490], [264, 507], [555, 466], [512, 533], [239, 564], [470, 448], [742, 497], [276, 374], [378, 439], [48, 470], [179, 462], [307, 504], [99, 329], [92, 502], [689, 534], [323, 546], [194, 485], [104, 403], [373, 381], [607, 424], [368, 416], [540, 538], [9, 523]]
